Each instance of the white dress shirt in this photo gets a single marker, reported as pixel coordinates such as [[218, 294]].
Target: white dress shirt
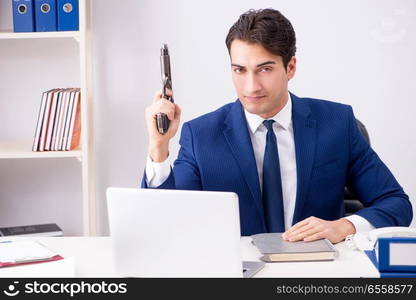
[[157, 173]]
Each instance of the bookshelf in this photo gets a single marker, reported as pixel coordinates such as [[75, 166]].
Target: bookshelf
[[22, 149], [40, 35]]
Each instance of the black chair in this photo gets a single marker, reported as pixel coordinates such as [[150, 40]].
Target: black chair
[[351, 202]]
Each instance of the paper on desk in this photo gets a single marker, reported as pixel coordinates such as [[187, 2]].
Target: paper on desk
[[54, 269], [20, 251]]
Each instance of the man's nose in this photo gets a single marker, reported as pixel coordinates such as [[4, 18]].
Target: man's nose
[[252, 84]]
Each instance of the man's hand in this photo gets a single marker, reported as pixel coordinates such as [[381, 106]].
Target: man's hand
[[313, 228], [159, 143]]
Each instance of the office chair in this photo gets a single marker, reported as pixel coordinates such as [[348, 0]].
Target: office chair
[[351, 202]]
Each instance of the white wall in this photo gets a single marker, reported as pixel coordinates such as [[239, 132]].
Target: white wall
[[355, 52]]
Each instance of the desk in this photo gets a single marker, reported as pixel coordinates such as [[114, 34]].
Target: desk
[[91, 257]]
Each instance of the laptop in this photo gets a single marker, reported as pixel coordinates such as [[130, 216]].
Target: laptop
[[175, 233]]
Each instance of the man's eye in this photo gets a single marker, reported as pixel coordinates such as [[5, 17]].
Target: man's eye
[[265, 69], [238, 70]]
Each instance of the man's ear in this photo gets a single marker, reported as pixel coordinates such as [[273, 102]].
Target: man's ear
[[291, 68]]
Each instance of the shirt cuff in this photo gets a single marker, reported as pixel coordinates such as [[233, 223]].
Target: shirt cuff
[[360, 224], [157, 172]]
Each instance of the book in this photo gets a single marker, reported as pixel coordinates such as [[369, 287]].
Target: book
[[68, 118], [14, 253], [61, 120], [64, 119], [40, 121], [58, 112], [51, 229], [372, 256], [275, 249], [52, 121], [46, 118], [74, 134]]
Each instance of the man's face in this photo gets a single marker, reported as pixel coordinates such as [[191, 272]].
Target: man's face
[[260, 78]]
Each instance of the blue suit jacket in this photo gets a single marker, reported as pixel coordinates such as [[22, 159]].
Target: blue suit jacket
[[216, 154]]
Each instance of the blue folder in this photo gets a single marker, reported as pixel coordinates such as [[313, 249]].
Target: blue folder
[[386, 251], [372, 256], [23, 16], [45, 15], [68, 15]]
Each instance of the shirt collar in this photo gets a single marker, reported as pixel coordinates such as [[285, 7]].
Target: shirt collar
[[283, 117]]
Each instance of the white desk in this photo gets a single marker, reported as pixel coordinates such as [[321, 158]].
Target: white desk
[[91, 257]]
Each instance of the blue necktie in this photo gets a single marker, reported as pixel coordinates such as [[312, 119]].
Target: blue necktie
[[272, 183]]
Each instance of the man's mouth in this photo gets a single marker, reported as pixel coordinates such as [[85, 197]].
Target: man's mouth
[[254, 98]]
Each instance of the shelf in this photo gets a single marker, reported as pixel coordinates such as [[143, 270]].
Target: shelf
[[23, 149], [40, 35]]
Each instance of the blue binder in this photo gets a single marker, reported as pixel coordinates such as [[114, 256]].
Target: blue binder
[[387, 249], [23, 16], [45, 15], [373, 258], [68, 15]]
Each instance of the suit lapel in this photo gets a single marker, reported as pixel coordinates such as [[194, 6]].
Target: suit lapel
[[238, 138], [304, 131]]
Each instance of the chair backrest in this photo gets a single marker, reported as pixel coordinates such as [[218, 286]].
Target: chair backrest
[[363, 131], [351, 202]]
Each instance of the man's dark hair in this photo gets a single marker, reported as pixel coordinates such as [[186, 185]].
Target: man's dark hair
[[267, 27]]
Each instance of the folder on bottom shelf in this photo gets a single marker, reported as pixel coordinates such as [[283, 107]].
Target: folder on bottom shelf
[[16, 253]]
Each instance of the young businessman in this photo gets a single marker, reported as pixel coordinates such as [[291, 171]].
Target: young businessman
[[288, 158]]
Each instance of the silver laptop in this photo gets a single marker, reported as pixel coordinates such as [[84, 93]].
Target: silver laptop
[[174, 233]]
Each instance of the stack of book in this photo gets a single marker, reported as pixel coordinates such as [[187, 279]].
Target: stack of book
[[50, 229], [394, 257], [59, 121]]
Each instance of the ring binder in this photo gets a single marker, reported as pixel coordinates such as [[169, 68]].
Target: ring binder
[[68, 15], [45, 15], [23, 16]]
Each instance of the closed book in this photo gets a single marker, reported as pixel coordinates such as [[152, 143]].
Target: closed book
[[39, 123], [61, 120], [371, 254], [74, 134], [58, 110], [45, 15], [46, 118], [275, 249], [65, 112], [68, 118], [397, 254], [68, 15], [23, 16], [50, 229], [52, 122]]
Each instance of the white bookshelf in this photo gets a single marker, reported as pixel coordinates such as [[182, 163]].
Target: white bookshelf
[[39, 35], [85, 153], [23, 149]]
